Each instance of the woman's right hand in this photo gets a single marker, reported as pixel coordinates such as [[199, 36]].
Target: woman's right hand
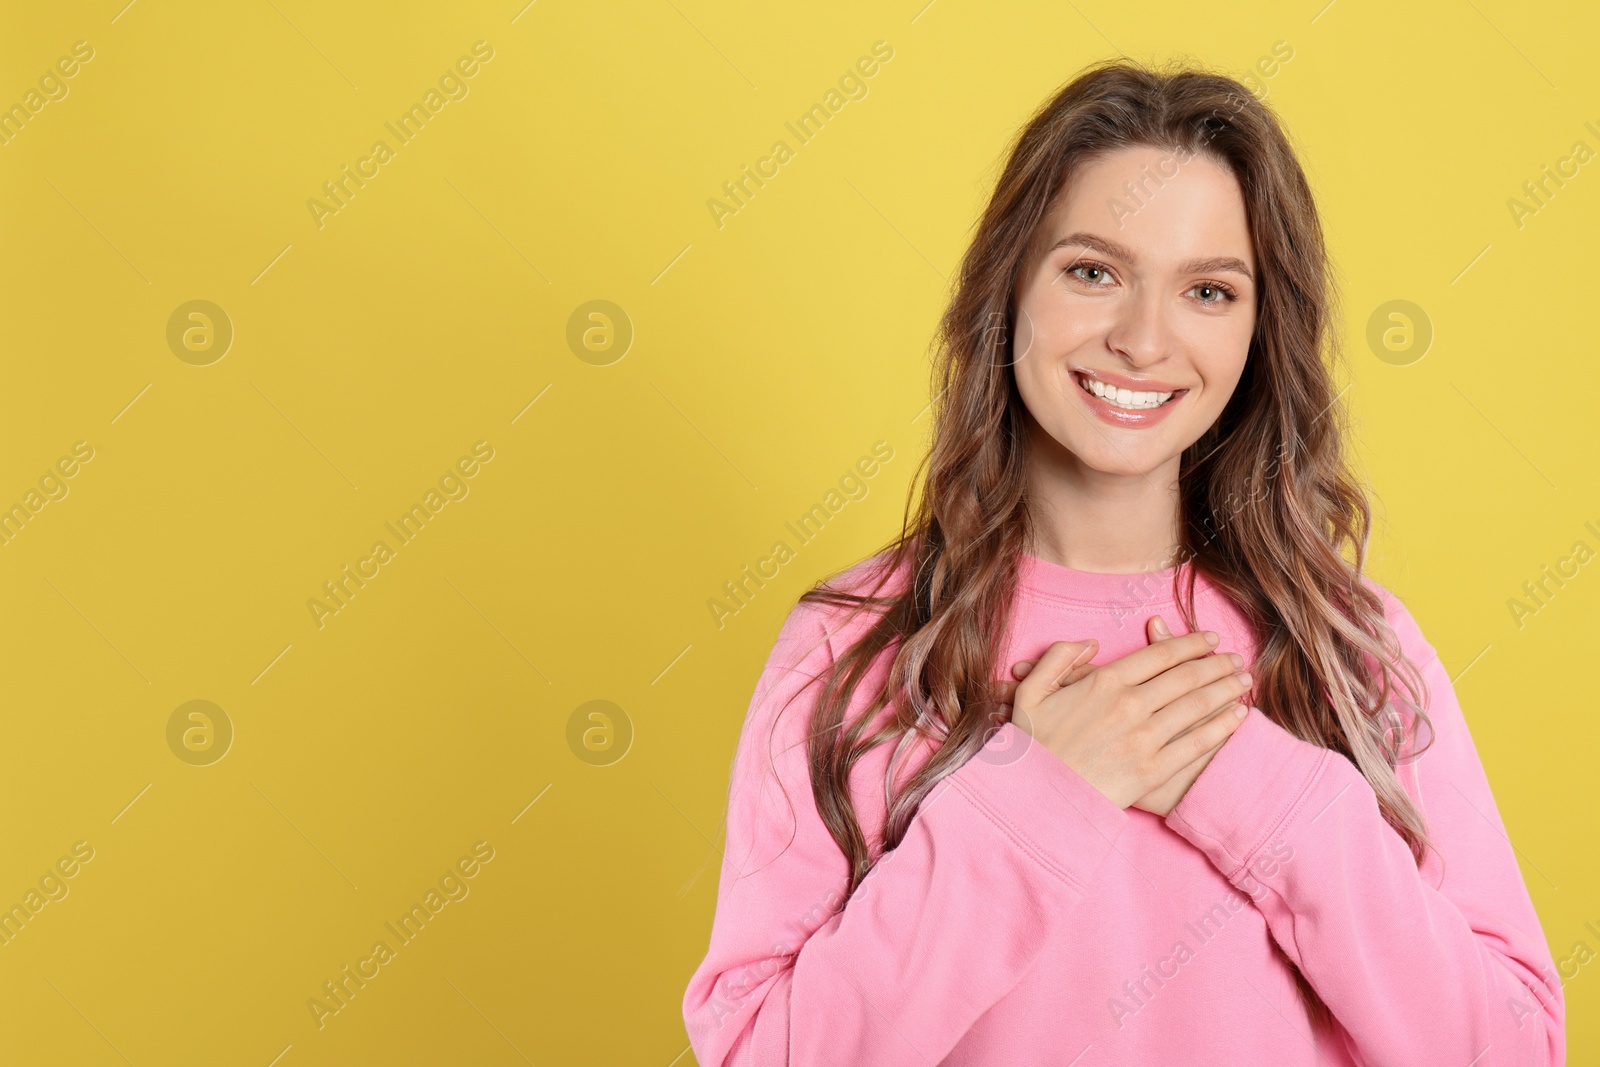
[[1115, 724]]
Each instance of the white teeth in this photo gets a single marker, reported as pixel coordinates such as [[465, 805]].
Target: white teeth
[[1123, 398]]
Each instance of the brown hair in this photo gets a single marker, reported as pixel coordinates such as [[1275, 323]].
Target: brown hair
[[1267, 502]]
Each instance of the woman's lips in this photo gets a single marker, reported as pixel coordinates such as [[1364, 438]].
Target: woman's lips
[[1132, 418]]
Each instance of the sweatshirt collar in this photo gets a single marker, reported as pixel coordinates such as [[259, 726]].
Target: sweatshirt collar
[[1095, 587]]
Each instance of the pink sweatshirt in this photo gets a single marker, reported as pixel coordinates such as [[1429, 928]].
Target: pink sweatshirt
[[1027, 919]]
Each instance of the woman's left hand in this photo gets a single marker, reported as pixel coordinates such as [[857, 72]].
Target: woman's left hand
[[1019, 670], [1159, 801]]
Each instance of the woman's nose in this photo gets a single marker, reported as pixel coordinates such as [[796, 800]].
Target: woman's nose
[[1139, 332]]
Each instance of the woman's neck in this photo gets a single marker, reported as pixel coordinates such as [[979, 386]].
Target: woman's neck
[[1091, 520]]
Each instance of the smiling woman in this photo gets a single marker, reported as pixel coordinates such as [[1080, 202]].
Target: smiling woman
[[983, 803], [1098, 313]]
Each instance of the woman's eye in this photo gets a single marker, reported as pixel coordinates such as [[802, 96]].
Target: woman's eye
[[1218, 294], [1098, 277]]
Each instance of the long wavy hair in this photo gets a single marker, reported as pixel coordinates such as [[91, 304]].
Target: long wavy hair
[[1268, 503]]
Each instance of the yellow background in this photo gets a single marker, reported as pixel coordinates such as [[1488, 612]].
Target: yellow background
[[769, 354]]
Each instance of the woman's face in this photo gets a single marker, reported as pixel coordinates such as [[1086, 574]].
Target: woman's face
[[1141, 279]]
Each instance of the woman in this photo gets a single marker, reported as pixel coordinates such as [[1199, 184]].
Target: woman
[[1226, 808]]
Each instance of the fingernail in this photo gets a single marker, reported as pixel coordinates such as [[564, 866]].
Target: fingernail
[[1088, 651], [1240, 711], [1211, 637], [1161, 627]]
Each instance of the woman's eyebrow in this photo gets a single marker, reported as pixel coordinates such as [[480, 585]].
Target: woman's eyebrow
[[1109, 247]]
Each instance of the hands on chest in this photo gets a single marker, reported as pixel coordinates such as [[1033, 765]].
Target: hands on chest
[[1140, 728]]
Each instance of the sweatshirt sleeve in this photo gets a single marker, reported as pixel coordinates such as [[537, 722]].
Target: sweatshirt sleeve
[[1438, 966], [896, 975]]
